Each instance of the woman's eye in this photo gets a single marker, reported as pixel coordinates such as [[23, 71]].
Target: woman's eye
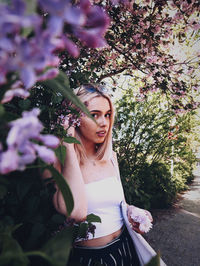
[[108, 115], [94, 115]]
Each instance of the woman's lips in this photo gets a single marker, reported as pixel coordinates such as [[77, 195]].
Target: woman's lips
[[101, 133]]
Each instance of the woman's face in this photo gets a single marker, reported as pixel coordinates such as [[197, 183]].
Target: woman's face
[[91, 132]]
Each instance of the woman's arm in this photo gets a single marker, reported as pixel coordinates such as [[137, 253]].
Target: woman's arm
[[73, 176]]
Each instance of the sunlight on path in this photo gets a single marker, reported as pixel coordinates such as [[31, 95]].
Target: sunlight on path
[[194, 192], [191, 213]]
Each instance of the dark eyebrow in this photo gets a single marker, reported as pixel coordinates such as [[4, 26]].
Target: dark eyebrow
[[97, 111]]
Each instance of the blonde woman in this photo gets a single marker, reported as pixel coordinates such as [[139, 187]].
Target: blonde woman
[[91, 170]]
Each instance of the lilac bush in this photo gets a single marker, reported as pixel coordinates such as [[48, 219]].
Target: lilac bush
[[30, 57], [29, 52], [22, 144]]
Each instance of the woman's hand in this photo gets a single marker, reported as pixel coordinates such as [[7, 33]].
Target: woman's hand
[[70, 129], [140, 219]]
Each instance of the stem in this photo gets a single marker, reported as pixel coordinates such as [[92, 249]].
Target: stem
[[39, 254]]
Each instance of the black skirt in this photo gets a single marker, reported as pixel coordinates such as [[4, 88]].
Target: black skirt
[[120, 252]]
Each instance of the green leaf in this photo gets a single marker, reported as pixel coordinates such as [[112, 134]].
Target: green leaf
[[37, 231], [57, 218], [58, 248], [8, 116], [64, 188], [31, 6], [155, 261], [39, 254], [14, 259], [57, 98], [23, 186], [83, 228], [1, 110], [70, 139], [26, 31], [61, 84], [61, 153], [92, 218], [3, 191], [11, 251], [24, 104]]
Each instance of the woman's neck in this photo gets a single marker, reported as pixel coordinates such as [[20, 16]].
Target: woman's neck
[[90, 150]]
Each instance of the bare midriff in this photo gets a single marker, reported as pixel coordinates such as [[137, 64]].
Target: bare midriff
[[100, 241]]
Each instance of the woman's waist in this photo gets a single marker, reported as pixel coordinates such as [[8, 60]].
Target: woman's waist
[[108, 225], [100, 242]]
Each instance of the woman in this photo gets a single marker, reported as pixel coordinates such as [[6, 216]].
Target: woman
[[91, 170]]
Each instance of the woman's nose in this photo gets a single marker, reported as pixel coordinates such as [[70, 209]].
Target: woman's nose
[[102, 121]]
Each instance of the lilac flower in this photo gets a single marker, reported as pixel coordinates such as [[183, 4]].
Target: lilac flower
[[70, 46], [12, 20], [23, 129], [21, 148], [90, 37], [45, 154], [72, 120], [6, 158], [49, 74], [61, 12], [87, 22], [30, 56], [95, 26], [16, 90], [27, 56], [49, 140]]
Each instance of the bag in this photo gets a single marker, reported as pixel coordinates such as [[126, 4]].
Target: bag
[[144, 251]]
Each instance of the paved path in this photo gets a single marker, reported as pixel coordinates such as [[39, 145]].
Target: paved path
[[176, 232]]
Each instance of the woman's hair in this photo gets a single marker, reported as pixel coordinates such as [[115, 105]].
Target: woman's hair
[[104, 150]]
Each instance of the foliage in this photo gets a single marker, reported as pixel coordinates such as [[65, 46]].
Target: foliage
[[155, 261], [31, 230], [32, 35], [146, 38], [28, 203], [35, 35], [148, 139]]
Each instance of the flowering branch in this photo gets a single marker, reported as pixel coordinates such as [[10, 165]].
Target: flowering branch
[[23, 143], [29, 52]]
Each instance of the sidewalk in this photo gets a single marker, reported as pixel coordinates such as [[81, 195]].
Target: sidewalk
[[176, 231]]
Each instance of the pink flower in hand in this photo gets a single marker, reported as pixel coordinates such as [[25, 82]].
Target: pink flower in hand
[[140, 220]]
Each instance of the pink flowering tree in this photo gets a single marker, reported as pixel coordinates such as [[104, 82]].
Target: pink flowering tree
[[146, 41], [32, 36]]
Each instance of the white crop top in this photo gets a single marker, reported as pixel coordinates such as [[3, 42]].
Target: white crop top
[[104, 198]]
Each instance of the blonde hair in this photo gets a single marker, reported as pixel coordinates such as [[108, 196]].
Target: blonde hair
[[104, 151]]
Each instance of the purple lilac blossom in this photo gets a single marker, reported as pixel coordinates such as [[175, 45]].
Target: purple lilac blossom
[[62, 12], [21, 150], [45, 154], [19, 92], [30, 56], [9, 161]]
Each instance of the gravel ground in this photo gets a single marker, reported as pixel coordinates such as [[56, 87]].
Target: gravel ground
[[176, 231]]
